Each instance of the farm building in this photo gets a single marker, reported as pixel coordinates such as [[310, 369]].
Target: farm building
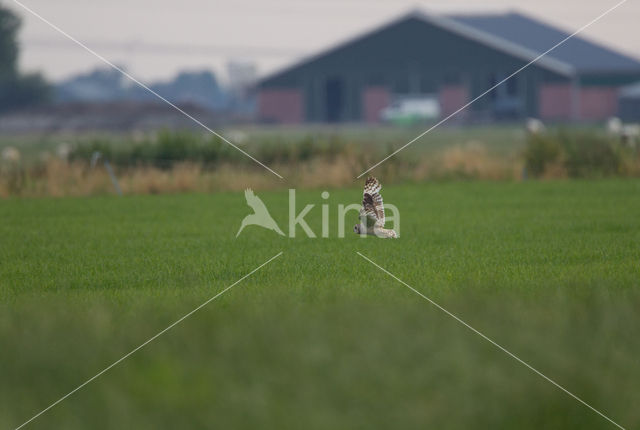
[[629, 103], [452, 60]]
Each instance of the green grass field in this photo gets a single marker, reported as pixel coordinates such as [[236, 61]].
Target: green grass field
[[320, 338]]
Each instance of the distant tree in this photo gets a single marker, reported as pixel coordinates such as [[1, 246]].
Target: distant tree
[[106, 84], [23, 90], [99, 85], [16, 90], [9, 24]]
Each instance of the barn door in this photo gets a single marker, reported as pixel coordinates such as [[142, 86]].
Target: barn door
[[334, 99]]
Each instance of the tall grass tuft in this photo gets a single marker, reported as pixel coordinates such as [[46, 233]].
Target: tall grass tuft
[[579, 155]]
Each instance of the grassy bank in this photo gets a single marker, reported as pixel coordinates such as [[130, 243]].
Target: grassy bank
[[170, 162], [319, 338]]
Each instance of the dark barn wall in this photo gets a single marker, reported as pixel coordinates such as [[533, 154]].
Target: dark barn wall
[[630, 109], [411, 56]]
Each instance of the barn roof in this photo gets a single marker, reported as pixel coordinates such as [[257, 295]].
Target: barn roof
[[516, 35], [583, 55]]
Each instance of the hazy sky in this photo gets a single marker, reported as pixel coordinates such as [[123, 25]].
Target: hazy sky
[[156, 38]]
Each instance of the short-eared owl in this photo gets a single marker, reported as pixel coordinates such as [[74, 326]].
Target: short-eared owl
[[372, 211]]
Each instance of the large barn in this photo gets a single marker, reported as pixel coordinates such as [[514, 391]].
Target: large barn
[[452, 59]]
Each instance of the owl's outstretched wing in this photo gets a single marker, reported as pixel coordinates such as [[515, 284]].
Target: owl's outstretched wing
[[372, 204]]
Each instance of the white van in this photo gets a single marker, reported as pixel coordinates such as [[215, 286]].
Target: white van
[[412, 109]]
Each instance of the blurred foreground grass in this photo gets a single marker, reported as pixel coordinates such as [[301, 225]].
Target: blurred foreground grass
[[319, 338]]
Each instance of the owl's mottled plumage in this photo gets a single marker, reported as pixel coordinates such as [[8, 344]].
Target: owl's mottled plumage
[[372, 211]]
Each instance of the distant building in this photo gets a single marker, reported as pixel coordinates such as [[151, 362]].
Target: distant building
[[452, 59], [242, 80]]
